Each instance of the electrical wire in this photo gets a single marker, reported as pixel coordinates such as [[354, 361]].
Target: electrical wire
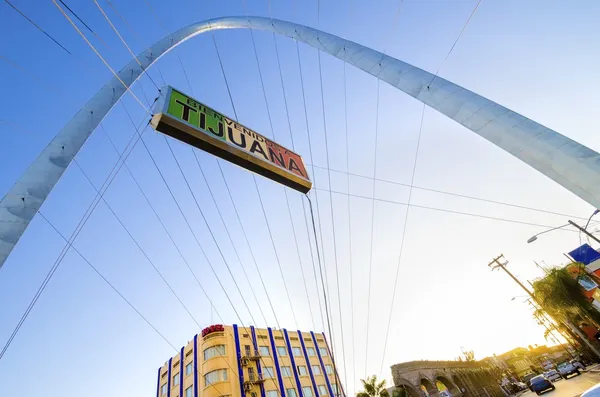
[[303, 205], [254, 176], [208, 227], [128, 302], [447, 210], [83, 220], [287, 113], [84, 24], [100, 56], [401, 251], [456, 194], [38, 27], [454, 44], [132, 31], [124, 42], [337, 277]]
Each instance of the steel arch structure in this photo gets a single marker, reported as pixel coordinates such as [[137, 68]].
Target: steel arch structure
[[572, 165]]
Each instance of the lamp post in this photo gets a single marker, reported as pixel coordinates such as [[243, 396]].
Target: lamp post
[[535, 236]]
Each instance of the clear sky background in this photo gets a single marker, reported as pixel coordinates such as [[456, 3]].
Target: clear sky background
[[535, 57]]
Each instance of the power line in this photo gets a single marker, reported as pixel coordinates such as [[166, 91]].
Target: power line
[[81, 20], [132, 31], [337, 277], [446, 210], [38, 27], [194, 235], [372, 229], [83, 220], [95, 269], [455, 41], [303, 205], [254, 176], [403, 238], [209, 228], [454, 194], [100, 56], [287, 112], [150, 261], [124, 42]]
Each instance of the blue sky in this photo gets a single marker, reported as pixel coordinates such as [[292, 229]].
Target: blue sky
[[82, 338]]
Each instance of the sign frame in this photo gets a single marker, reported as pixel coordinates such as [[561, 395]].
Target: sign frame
[[184, 131]]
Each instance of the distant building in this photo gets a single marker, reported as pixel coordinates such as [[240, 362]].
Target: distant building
[[447, 379], [231, 361]]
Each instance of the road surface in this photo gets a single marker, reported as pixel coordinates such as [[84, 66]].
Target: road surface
[[571, 387]]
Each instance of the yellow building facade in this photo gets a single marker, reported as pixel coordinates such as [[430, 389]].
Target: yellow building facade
[[233, 361]]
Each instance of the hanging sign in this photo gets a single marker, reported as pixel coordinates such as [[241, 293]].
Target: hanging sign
[[192, 122]]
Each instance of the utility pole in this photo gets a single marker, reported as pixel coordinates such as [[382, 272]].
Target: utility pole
[[497, 263], [584, 231]]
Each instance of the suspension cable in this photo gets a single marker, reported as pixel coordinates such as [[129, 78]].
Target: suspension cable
[[100, 56], [287, 112], [317, 203], [38, 27], [124, 42], [457, 194], [403, 238], [82, 221]]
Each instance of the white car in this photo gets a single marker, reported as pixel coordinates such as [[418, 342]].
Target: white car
[[552, 375], [565, 369]]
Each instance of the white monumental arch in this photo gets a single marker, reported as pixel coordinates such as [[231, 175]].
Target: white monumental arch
[[572, 165]]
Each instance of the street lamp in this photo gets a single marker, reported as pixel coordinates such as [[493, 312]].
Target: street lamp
[[535, 236]]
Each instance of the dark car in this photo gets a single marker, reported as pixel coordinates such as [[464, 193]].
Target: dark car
[[540, 384]]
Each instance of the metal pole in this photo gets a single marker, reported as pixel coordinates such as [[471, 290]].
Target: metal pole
[[584, 231], [497, 264]]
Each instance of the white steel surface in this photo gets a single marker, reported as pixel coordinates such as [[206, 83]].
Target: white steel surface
[[572, 165]]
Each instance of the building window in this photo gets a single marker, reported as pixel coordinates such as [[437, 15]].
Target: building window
[[286, 371], [218, 375], [316, 370], [214, 351], [272, 393], [335, 389], [176, 379], [328, 369], [251, 377], [269, 372], [264, 351], [281, 351], [163, 390], [188, 369], [297, 351], [322, 390], [302, 370], [310, 351], [188, 392], [247, 350], [323, 351], [291, 393], [307, 391]]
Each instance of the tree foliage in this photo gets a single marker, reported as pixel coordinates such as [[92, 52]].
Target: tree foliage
[[560, 295], [372, 387]]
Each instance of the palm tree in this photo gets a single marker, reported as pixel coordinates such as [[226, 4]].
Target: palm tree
[[373, 387]]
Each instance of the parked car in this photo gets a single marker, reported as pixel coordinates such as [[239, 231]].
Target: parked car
[[540, 384], [565, 369], [552, 375], [521, 386], [577, 364]]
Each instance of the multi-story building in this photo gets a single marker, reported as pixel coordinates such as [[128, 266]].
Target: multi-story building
[[233, 361]]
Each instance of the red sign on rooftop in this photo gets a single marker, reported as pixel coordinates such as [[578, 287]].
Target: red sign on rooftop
[[213, 328]]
